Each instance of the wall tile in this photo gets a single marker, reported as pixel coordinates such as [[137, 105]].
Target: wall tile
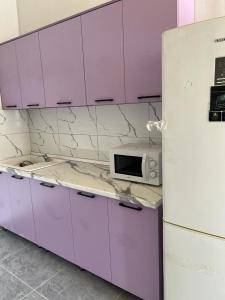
[[13, 121], [123, 120], [155, 114], [43, 120], [14, 145], [90, 132], [77, 120], [80, 146], [107, 142], [45, 142]]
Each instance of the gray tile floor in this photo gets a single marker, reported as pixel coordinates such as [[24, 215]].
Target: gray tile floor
[[31, 273]]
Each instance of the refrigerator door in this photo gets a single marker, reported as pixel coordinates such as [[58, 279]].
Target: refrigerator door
[[194, 265], [193, 147]]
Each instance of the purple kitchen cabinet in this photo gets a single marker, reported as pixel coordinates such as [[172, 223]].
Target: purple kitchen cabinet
[[135, 238], [5, 207], [186, 12], [103, 55], [144, 23], [30, 71], [62, 60], [91, 233], [9, 77], [52, 215], [22, 210]]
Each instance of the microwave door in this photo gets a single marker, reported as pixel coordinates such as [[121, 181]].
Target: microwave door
[[128, 165]]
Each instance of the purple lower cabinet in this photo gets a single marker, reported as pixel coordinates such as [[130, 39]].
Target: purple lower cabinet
[[91, 233], [135, 247], [22, 210], [5, 207], [52, 215]]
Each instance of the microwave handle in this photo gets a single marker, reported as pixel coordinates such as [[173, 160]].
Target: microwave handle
[[143, 166]]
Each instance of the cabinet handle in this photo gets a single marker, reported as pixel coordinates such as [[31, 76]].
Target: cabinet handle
[[104, 100], [130, 207], [86, 195], [18, 177], [32, 105], [11, 106], [149, 97], [48, 185], [64, 103]]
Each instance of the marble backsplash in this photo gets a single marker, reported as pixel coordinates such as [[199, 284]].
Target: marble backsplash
[[14, 133], [89, 132]]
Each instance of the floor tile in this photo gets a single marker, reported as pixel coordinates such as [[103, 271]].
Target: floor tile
[[72, 283], [34, 296], [10, 244], [127, 296], [51, 276], [11, 288], [33, 265]]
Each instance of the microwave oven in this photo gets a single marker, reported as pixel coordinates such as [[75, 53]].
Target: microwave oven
[[137, 162]]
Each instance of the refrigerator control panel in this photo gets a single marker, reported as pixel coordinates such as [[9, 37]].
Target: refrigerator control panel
[[217, 95], [217, 104], [220, 71]]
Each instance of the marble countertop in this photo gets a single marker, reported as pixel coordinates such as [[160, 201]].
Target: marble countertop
[[93, 178]]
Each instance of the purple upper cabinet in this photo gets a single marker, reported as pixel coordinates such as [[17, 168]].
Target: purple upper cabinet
[[144, 22], [186, 12], [135, 251], [91, 233], [30, 71], [52, 215], [62, 60], [5, 207], [22, 211], [103, 55], [9, 77]]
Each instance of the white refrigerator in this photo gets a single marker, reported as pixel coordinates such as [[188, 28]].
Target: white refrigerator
[[194, 161]]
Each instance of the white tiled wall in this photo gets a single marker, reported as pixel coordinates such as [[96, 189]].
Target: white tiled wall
[[14, 134], [89, 132]]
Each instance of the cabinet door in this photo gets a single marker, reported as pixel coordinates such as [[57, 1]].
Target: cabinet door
[[63, 68], [22, 210], [103, 55], [5, 207], [144, 23], [30, 70], [91, 233], [9, 77], [52, 215], [134, 248]]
